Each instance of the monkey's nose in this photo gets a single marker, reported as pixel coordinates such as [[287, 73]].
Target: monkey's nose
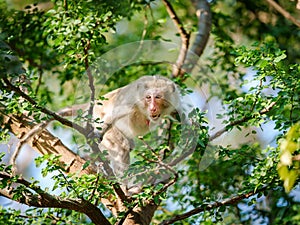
[[153, 110]]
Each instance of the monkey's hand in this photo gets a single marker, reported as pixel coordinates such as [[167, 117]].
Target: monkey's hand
[[98, 132]]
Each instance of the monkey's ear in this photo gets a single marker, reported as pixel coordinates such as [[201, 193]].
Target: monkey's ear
[[171, 87], [146, 86], [142, 86]]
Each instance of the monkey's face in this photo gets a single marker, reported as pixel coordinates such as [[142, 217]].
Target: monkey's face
[[157, 97], [156, 104]]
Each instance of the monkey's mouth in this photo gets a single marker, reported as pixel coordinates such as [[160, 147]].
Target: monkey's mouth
[[155, 116]]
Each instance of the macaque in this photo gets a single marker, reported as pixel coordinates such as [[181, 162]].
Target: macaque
[[140, 105], [131, 111]]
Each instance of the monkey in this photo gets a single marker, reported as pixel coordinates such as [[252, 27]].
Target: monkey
[[131, 111], [134, 108]]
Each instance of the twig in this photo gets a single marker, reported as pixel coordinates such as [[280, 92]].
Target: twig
[[34, 131], [95, 184], [158, 161], [185, 38], [184, 155], [292, 105], [66, 5], [141, 173], [257, 95], [44, 110], [187, 151], [160, 165], [87, 46], [206, 207], [39, 80], [283, 12], [238, 122], [54, 219], [149, 147], [167, 185]]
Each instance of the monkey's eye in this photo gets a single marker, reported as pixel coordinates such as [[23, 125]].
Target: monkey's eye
[[148, 97], [158, 96]]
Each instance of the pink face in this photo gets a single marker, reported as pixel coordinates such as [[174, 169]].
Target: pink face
[[155, 104]]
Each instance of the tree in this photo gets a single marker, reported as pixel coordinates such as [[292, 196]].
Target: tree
[[62, 53]]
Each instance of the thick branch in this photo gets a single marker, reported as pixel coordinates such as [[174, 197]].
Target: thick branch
[[231, 201], [26, 137], [44, 200], [283, 12], [141, 215], [185, 37], [204, 26], [188, 58], [45, 143], [56, 116]]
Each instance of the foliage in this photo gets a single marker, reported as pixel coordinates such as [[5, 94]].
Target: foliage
[[287, 168], [250, 68]]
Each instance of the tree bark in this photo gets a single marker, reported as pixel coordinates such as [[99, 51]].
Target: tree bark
[[141, 215], [45, 143]]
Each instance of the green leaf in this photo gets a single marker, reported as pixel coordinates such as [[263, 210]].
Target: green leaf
[[83, 29], [86, 164], [279, 58]]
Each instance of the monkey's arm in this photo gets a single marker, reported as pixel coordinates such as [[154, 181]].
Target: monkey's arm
[[73, 110]]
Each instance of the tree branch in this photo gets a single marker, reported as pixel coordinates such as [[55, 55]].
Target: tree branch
[[35, 131], [206, 207], [45, 143], [238, 122], [141, 214], [188, 58], [91, 81], [185, 38], [204, 26], [56, 116], [283, 12], [44, 200]]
